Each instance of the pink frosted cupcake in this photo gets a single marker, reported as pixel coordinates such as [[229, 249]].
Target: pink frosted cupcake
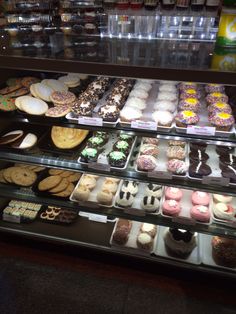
[[190, 103], [200, 198], [171, 208], [173, 194], [200, 213], [222, 121], [185, 118], [219, 107], [216, 97], [214, 88], [190, 93]]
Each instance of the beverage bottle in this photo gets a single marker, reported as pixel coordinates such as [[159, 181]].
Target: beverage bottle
[[197, 5], [136, 4], [122, 4], [168, 4], [212, 5], [150, 4], [182, 4], [109, 4]]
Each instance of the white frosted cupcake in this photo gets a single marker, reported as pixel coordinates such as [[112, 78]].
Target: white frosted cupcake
[[165, 105], [144, 86], [168, 96], [140, 93], [174, 83], [135, 102], [129, 114], [163, 118], [167, 88]]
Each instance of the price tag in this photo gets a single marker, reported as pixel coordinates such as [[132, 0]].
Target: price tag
[[90, 121], [134, 211], [99, 166], [201, 130], [11, 218], [124, 20], [98, 218], [160, 175], [184, 220], [144, 125], [215, 181]]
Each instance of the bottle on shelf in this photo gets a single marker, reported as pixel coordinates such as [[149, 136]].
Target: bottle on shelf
[[182, 4], [150, 4], [109, 4], [197, 5], [212, 5], [168, 4], [122, 4], [136, 4]]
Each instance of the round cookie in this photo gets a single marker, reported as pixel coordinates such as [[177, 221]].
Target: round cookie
[[41, 91], [18, 101], [62, 186], [7, 104], [55, 172], [59, 111], [62, 98], [29, 80], [55, 85], [66, 174], [2, 180], [7, 173], [9, 89], [13, 81], [34, 106], [19, 92], [67, 192], [74, 177], [49, 183], [23, 176]]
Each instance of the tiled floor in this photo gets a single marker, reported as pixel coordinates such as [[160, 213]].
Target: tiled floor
[[31, 287]]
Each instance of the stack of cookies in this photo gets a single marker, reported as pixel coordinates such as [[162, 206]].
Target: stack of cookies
[[59, 182]]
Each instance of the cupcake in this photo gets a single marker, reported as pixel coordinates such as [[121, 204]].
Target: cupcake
[[173, 194], [130, 186], [224, 251], [153, 190], [190, 93], [165, 105], [191, 104], [200, 213], [149, 149], [185, 118], [167, 88], [163, 118], [150, 204], [146, 163], [177, 166], [167, 96], [89, 154], [216, 97], [219, 107], [96, 142], [144, 86], [135, 102], [145, 242], [139, 94], [126, 137], [129, 114], [187, 85], [171, 208], [222, 121], [117, 159], [149, 229], [200, 198], [214, 88], [122, 146], [124, 199]]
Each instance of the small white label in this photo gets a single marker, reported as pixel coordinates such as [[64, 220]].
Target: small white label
[[90, 121], [160, 175], [134, 211], [144, 125], [11, 218], [184, 220], [215, 181], [98, 218], [99, 166], [201, 130]]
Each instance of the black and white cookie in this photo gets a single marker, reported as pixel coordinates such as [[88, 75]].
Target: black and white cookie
[[199, 169]]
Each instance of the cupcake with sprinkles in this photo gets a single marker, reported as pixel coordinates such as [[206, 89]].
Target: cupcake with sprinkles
[[187, 85], [187, 93], [192, 104], [185, 118], [219, 107], [214, 88], [222, 121], [216, 97]]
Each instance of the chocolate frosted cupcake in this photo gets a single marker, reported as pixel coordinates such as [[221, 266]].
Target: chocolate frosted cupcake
[[122, 146], [89, 154], [117, 159], [199, 169]]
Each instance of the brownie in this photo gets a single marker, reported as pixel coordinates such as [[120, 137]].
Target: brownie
[[224, 150], [198, 155], [199, 169]]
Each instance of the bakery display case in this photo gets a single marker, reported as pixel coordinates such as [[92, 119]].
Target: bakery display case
[[124, 146]]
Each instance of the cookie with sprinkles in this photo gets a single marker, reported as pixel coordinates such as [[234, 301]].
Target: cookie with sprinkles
[[57, 112], [7, 104], [12, 81], [9, 89], [20, 92], [29, 80], [62, 98]]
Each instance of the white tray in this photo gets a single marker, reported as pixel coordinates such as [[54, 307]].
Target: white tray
[[160, 250], [186, 204], [102, 159], [206, 253], [162, 161], [92, 201], [148, 111], [135, 207], [131, 244]]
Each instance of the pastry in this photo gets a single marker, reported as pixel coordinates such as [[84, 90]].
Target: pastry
[[122, 146], [11, 137], [126, 137], [29, 80], [110, 186], [27, 141], [135, 102], [179, 242], [190, 93], [163, 118], [153, 190], [165, 105], [173, 194], [149, 229], [167, 88], [117, 159], [144, 86], [96, 142], [82, 108], [124, 199], [224, 251], [191, 104], [199, 169], [81, 193], [224, 211], [33, 106], [176, 143], [218, 198], [222, 121], [198, 155], [88, 181], [129, 114], [7, 104], [150, 140], [49, 183], [177, 166], [214, 88], [150, 204], [121, 234], [109, 113], [200, 213], [145, 241], [224, 150], [146, 163], [149, 149], [60, 187], [105, 197], [185, 118], [219, 107], [57, 112], [167, 96], [171, 208], [139, 94], [176, 152], [216, 97], [41, 91], [23, 176], [229, 172], [187, 85], [200, 198], [67, 138], [198, 146], [130, 186], [55, 85], [9, 89]]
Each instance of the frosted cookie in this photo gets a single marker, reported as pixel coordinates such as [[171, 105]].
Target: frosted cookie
[[41, 91], [63, 97], [55, 85], [25, 142], [57, 112], [34, 106]]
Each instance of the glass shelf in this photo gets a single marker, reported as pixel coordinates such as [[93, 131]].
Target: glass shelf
[[153, 59], [22, 194]]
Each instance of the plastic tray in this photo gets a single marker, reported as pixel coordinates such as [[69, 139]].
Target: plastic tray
[[102, 159], [186, 204], [56, 221], [92, 201], [160, 250], [206, 253], [131, 244], [162, 161], [231, 223]]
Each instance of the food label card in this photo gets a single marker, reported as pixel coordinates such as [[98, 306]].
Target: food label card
[[90, 121], [144, 125], [201, 130]]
